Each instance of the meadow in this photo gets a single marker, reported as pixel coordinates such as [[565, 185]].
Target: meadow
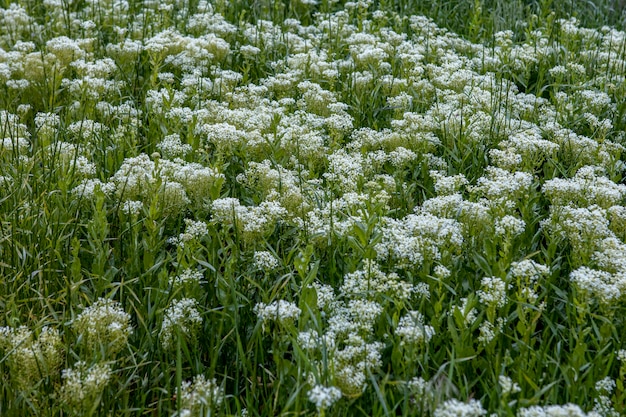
[[312, 208]]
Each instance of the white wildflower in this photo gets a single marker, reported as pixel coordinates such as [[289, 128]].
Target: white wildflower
[[324, 397], [281, 311], [509, 226], [507, 385], [171, 146], [180, 319], [83, 386], [104, 324], [412, 329], [202, 397], [265, 261], [456, 408], [493, 292]]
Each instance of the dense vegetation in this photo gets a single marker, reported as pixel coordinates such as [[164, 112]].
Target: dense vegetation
[[312, 208]]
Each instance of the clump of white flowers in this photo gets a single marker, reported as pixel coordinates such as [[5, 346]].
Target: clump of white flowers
[[276, 183], [528, 270], [589, 186], [507, 385], [265, 260], [83, 386], [30, 358], [171, 146], [281, 311], [413, 331], [175, 184], [324, 397], [194, 230], [46, 124], [370, 281], [527, 275], [603, 405], [606, 287], [493, 292], [456, 408], [418, 238], [187, 278], [129, 207], [346, 338], [202, 397], [251, 221], [498, 184], [581, 226], [104, 326], [448, 185], [181, 319], [509, 226], [488, 330], [420, 390], [570, 410]]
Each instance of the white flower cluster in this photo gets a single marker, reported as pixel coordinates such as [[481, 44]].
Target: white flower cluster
[[280, 311], [509, 226], [129, 207], [83, 386], [456, 408], [418, 238], [606, 287], [412, 330], [448, 185], [524, 149], [338, 217], [586, 209], [202, 397], [498, 184], [603, 405], [324, 397], [345, 170], [277, 183], [31, 359], [187, 277], [72, 159], [507, 385], [265, 260], [570, 410], [527, 275], [174, 183], [104, 325], [528, 270], [488, 330], [346, 337], [493, 292], [194, 230], [172, 146], [421, 390], [371, 282], [582, 227], [587, 187], [251, 221], [181, 319], [14, 135]]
